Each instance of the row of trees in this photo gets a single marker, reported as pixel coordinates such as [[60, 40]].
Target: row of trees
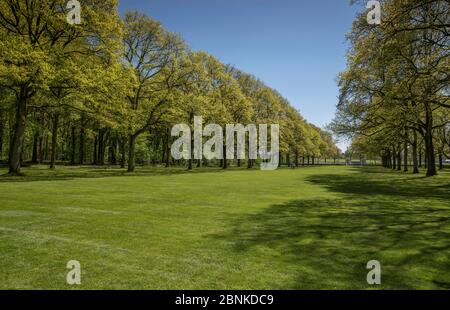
[[110, 89], [394, 100]]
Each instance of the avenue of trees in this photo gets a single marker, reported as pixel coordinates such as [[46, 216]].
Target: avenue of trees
[[394, 94], [109, 90]]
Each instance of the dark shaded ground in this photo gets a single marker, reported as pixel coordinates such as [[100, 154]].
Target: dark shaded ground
[[37, 174], [401, 220]]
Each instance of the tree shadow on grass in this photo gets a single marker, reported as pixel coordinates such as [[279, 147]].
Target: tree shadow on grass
[[71, 173], [327, 243], [384, 183]]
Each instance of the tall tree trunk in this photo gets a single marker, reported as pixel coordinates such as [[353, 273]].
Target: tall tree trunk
[[2, 126], [95, 155], [394, 159], [225, 161], [54, 140], [163, 149], [191, 151], [41, 149], [190, 160], [420, 158], [405, 155], [431, 161], [167, 149], [34, 156], [101, 147], [46, 148], [19, 132], [441, 161], [123, 153], [73, 146], [414, 149], [132, 153], [113, 150], [82, 139]]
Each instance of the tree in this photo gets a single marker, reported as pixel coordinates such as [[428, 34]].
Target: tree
[[34, 36], [152, 54], [397, 79]]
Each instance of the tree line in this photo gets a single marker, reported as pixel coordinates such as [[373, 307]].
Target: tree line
[[108, 91], [394, 94]]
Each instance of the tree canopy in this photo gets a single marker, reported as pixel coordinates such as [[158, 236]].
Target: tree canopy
[[108, 90]]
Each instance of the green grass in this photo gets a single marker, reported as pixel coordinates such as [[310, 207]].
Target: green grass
[[311, 228]]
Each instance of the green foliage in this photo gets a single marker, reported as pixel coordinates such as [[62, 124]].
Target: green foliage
[[105, 83], [397, 81]]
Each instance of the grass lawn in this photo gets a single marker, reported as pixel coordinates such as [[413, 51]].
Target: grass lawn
[[311, 228]]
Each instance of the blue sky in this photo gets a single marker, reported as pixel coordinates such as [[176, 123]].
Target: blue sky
[[295, 46]]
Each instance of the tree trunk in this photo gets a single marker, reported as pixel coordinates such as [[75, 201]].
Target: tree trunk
[[54, 140], [46, 148], [420, 158], [225, 161], [405, 155], [189, 164], [100, 147], [394, 159], [102, 137], [167, 149], [73, 146], [2, 126], [441, 161], [431, 161], [131, 153], [34, 156], [95, 155], [19, 132], [414, 149], [123, 155], [82, 139], [163, 149], [41, 149], [113, 154]]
